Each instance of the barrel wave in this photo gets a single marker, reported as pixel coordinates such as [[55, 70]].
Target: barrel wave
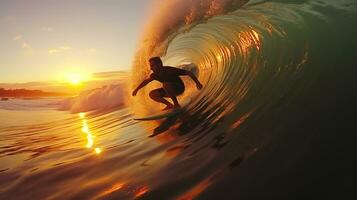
[[274, 119], [277, 76]]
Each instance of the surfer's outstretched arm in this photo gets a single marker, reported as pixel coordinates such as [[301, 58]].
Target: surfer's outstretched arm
[[142, 84], [194, 78], [183, 72]]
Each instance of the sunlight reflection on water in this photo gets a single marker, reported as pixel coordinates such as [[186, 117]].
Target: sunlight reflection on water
[[90, 137]]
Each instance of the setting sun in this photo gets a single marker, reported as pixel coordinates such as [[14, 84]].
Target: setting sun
[[75, 81], [76, 78]]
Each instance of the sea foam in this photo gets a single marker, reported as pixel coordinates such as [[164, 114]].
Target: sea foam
[[106, 97]]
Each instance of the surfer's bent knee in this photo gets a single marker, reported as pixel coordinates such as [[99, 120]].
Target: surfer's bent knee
[[154, 93], [177, 88]]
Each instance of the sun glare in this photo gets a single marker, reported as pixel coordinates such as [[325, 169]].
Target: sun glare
[[75, 81], [76, 78]]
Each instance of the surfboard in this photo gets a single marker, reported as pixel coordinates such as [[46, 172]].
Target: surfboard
[[166, 114]]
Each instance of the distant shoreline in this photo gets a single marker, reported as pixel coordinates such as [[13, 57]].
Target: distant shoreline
[[28, 94]]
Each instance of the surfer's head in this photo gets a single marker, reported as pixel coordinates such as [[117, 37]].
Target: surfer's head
[[155, 63]]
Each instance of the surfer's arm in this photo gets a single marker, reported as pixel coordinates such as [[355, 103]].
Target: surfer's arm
[[193, 77], [182, 72], [142, 84]]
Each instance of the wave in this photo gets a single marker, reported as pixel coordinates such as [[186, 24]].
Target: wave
[[250, 55], [104, 98], [274, 73], [164, 25]]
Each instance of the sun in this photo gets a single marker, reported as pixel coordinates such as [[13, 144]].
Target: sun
[[76, 78], [75, 81]]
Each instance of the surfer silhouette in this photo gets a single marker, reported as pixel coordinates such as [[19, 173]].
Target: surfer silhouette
[[172, 85]]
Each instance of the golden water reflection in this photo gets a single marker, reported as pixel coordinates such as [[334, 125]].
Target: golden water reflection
[[113, 188], [141, 191], [89, 135]]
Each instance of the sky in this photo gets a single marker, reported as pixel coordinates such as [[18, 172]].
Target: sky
[[50, 40]]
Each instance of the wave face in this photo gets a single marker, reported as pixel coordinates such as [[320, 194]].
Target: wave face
[[275, 74]]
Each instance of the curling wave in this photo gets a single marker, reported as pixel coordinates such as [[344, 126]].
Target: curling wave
[[272, 71]]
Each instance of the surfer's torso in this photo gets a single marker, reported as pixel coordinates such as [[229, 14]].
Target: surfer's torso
[[168, 75]]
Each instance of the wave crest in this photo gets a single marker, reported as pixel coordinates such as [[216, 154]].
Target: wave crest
[[107, 97]]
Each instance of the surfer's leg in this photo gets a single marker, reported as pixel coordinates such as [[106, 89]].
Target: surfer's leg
[[172, 92], [158, 96]]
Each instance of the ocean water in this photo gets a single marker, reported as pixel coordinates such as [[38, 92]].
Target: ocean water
[[275, 118]]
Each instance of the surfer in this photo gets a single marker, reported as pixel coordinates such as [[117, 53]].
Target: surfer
[[172, 85]]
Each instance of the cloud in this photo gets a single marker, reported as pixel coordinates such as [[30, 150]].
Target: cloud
[[17, 37], [25, 45], [27, 85], [27, 48], [47, 29], [53, 51], [59, 50], [111, 75], [64, 49]]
